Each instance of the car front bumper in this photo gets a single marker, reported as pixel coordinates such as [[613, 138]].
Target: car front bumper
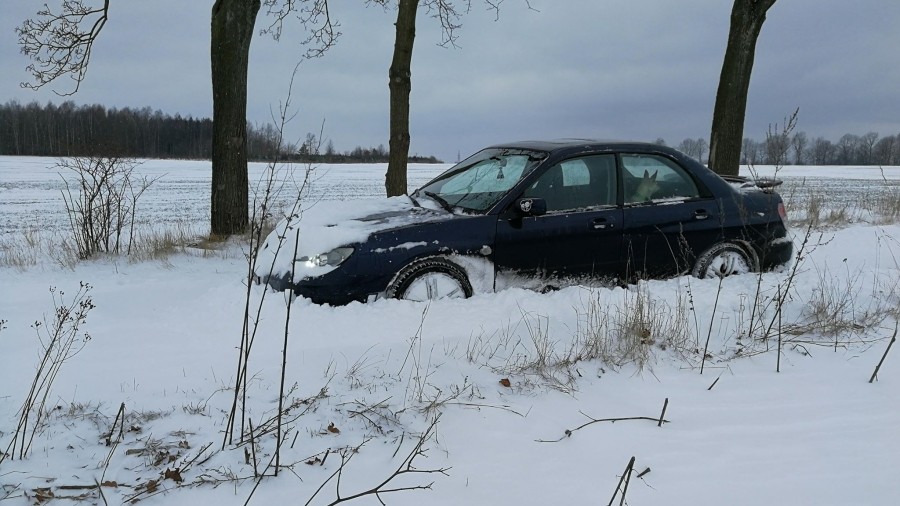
[[334, 288]]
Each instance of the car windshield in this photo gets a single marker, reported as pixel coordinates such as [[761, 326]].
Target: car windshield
[[480, 181]]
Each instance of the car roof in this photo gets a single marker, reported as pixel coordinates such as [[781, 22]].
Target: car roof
[[553, 145]]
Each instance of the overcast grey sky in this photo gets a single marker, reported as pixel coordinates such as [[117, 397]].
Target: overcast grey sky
[[624, 69]]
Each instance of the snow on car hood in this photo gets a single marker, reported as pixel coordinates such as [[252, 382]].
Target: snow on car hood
[[323, 226]]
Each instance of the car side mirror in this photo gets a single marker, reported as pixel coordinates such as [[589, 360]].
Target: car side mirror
[[531, 206]]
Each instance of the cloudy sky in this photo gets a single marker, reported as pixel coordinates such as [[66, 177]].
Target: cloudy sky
[[624, 69]]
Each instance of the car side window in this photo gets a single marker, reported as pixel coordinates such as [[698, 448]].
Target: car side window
[[649, 177], [588, 181]]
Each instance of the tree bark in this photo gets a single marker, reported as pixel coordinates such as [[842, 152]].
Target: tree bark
[[747, 17], [400, 84], [232, 31]]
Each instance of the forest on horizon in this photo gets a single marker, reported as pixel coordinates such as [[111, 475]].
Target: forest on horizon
[[68, 129]]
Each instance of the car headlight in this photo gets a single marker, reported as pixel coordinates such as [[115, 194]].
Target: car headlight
[[333, 258]]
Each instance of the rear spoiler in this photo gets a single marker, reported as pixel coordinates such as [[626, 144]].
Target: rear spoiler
[[765, 183]]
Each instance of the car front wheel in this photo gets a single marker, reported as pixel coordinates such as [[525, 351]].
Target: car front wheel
[[430, 279], [724, 259]]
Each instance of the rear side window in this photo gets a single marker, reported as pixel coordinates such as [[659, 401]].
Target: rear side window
[[583, 182], [647, 178]]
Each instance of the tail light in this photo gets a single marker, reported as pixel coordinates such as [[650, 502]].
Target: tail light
[[781, 211]]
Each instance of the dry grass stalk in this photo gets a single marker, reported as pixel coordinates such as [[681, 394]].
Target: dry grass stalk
[[61, 337]]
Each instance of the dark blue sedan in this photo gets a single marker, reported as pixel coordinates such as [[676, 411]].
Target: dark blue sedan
[[540, 214]]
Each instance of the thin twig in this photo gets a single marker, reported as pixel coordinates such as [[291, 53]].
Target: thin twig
[[711, 319], [568, 432], [778, 310], [625, 476], [878, 367], [405, 467], [663, 414], [100, 490], [253, 449]]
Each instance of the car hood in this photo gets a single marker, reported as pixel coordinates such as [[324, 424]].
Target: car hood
[[323, 226]]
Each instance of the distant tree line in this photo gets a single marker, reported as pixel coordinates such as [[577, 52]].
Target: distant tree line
[[72, 130], [311, 151], [800, 149], [68, 129]]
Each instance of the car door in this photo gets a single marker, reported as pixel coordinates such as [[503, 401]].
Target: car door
[[581, 232], [669, 217]]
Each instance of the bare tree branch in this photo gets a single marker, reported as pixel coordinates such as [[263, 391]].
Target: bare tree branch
[[58, 44], [568, 432], [314, 15], [407, 466], [449, 15]]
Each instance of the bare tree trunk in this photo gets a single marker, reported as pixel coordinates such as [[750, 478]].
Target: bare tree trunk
[[747, 17], [400, 84], [232, 31]]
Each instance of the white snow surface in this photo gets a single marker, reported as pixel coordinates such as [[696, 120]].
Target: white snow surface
[[164, 336]]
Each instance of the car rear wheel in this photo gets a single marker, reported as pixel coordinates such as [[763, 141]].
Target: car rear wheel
[[723, 260], [430, 279]]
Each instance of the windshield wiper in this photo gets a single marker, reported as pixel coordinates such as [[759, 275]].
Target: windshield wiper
[[440, 200]]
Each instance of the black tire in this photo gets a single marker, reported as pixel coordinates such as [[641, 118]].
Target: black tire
[[426, 274], [723, 260]]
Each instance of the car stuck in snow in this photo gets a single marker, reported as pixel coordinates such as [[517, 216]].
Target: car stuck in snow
[[537, 213]]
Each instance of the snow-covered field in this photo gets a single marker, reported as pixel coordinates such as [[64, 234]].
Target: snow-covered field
[[508, 373]]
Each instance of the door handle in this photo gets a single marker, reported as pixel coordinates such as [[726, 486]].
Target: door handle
[[601, 223], [700, 214]]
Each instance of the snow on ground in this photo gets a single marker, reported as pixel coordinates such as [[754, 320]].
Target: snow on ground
[[164, 337]]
